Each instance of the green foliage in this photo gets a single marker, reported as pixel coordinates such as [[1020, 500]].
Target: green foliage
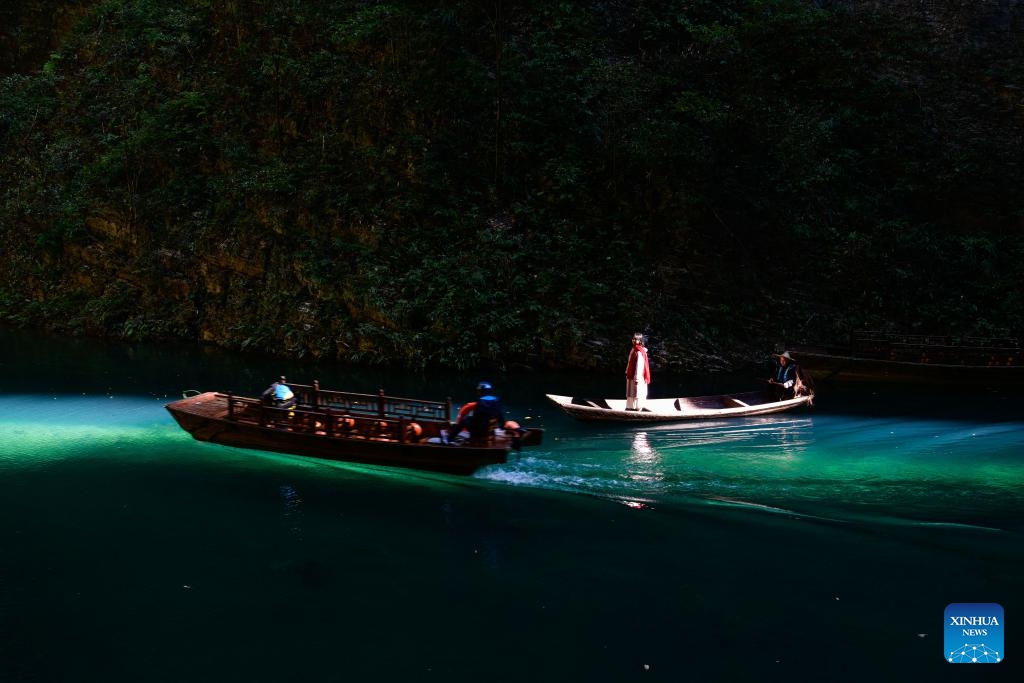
[[473, 183]]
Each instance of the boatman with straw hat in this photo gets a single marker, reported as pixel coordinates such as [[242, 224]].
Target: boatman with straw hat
[[638, 374], [784, 378]]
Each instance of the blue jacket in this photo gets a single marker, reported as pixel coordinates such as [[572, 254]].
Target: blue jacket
[[487, 408]]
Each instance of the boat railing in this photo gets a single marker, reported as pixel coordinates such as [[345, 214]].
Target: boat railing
[[379, 404], [993, 342], [883, 339], [937, 349], [327, 421]]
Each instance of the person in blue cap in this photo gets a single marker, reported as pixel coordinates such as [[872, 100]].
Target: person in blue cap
[[478, 423]]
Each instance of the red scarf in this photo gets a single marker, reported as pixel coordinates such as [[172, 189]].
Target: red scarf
[[638, 350]]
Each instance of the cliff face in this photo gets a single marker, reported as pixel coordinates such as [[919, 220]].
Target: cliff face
[[384, 182]]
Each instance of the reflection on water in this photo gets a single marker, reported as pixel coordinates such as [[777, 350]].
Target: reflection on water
[[292, 508], [612, 544], [776, 437], [825, 466], [884, 458], [836, 466], [644, 462], [681, 458]]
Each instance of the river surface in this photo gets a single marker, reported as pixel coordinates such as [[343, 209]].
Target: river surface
[[818, 545]]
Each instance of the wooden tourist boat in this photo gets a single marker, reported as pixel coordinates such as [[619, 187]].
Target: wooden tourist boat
[[678, 409], [351, 427], [917, 359]]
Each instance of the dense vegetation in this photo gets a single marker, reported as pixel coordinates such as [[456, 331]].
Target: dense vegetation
[[502, 182]]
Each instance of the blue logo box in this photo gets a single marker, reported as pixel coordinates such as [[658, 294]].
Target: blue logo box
[[973, 633]]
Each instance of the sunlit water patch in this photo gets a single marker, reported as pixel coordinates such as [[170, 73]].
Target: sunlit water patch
[[42, 430], [910, 469], [627, 547]]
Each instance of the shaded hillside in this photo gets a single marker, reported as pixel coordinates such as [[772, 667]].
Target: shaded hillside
[[31, 31], [506, 183]]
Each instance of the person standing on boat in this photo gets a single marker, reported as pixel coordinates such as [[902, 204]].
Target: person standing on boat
[[478, 422], [783, 380], [638, 374], [279, 394]]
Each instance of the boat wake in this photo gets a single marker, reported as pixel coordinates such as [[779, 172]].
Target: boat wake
[[957, 525], [651, 491]]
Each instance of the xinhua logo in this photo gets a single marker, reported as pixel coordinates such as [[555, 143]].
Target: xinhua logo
[[974, 633]]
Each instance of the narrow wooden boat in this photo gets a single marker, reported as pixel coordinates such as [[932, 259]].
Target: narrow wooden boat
[[335, 425], [678, 409], [917, 359]]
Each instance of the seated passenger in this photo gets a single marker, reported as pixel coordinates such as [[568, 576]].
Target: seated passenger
[[279, 395], [478, 422]]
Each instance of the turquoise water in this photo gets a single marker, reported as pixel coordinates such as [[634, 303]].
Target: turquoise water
[[912, 470], [814, 545]]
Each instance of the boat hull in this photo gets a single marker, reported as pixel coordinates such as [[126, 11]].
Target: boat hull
[[206, 418], [676, 409]]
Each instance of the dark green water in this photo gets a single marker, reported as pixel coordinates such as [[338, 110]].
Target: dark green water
[[821, 546]]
